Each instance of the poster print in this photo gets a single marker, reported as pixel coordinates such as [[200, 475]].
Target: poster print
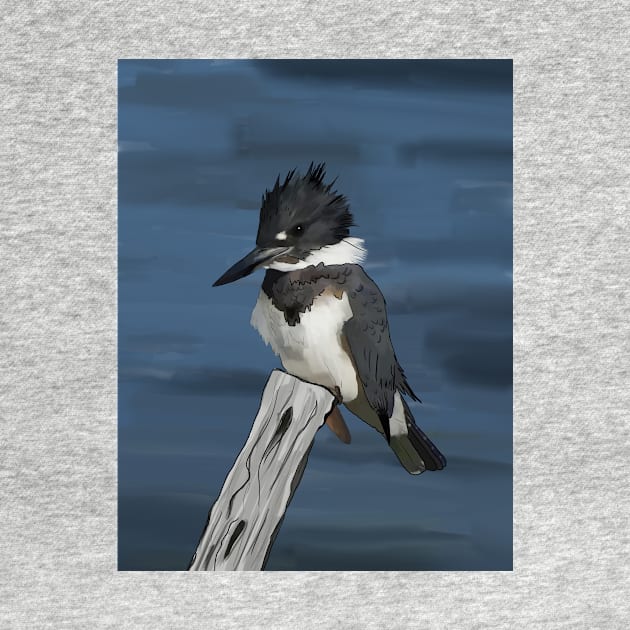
[[394, 176]]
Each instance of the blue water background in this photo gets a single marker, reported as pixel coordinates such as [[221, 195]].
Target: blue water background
[[423, 151]]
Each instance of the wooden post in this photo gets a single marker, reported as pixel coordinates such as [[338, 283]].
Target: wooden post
[[245, 519]]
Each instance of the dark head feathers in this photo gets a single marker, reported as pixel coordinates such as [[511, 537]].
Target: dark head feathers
[[313, 179], [308, 201]]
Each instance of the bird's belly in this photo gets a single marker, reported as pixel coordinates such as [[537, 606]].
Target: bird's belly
[[311, 350]]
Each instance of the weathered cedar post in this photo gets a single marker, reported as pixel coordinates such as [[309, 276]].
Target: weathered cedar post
[[245, 519]]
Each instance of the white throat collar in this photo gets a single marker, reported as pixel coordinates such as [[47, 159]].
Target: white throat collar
[[349, 251]]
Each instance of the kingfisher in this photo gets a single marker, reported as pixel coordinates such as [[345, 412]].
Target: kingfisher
[[325, 317]]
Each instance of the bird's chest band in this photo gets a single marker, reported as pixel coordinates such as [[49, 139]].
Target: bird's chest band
[[294, 293]]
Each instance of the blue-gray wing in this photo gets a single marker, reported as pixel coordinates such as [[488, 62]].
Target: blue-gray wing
[[367, 335]]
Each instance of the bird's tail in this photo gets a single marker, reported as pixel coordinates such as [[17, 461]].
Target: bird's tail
[[415, 450]]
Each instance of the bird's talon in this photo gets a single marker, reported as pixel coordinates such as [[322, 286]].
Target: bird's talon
[[336, 392]]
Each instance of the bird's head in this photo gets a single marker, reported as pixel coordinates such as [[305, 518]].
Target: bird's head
[[298, 216]]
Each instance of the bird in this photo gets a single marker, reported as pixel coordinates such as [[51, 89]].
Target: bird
[[325, 317]]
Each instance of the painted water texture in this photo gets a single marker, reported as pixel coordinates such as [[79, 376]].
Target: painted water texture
[[423, 151]]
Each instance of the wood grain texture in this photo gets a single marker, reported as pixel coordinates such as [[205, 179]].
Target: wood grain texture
[[245, 518]]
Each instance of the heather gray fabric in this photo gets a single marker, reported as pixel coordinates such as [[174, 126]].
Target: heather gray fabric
[[58, 333]]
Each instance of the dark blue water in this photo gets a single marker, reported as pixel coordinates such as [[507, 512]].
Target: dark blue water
[[423, 151]]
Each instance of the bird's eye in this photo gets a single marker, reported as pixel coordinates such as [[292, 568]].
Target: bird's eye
[[298, 229]]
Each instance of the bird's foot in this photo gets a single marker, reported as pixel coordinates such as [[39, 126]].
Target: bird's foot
[[336, 392]]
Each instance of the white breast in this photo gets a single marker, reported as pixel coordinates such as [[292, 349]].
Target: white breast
[[311, 349]]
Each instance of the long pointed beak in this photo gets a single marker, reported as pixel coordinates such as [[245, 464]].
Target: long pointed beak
[[257, 257]]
